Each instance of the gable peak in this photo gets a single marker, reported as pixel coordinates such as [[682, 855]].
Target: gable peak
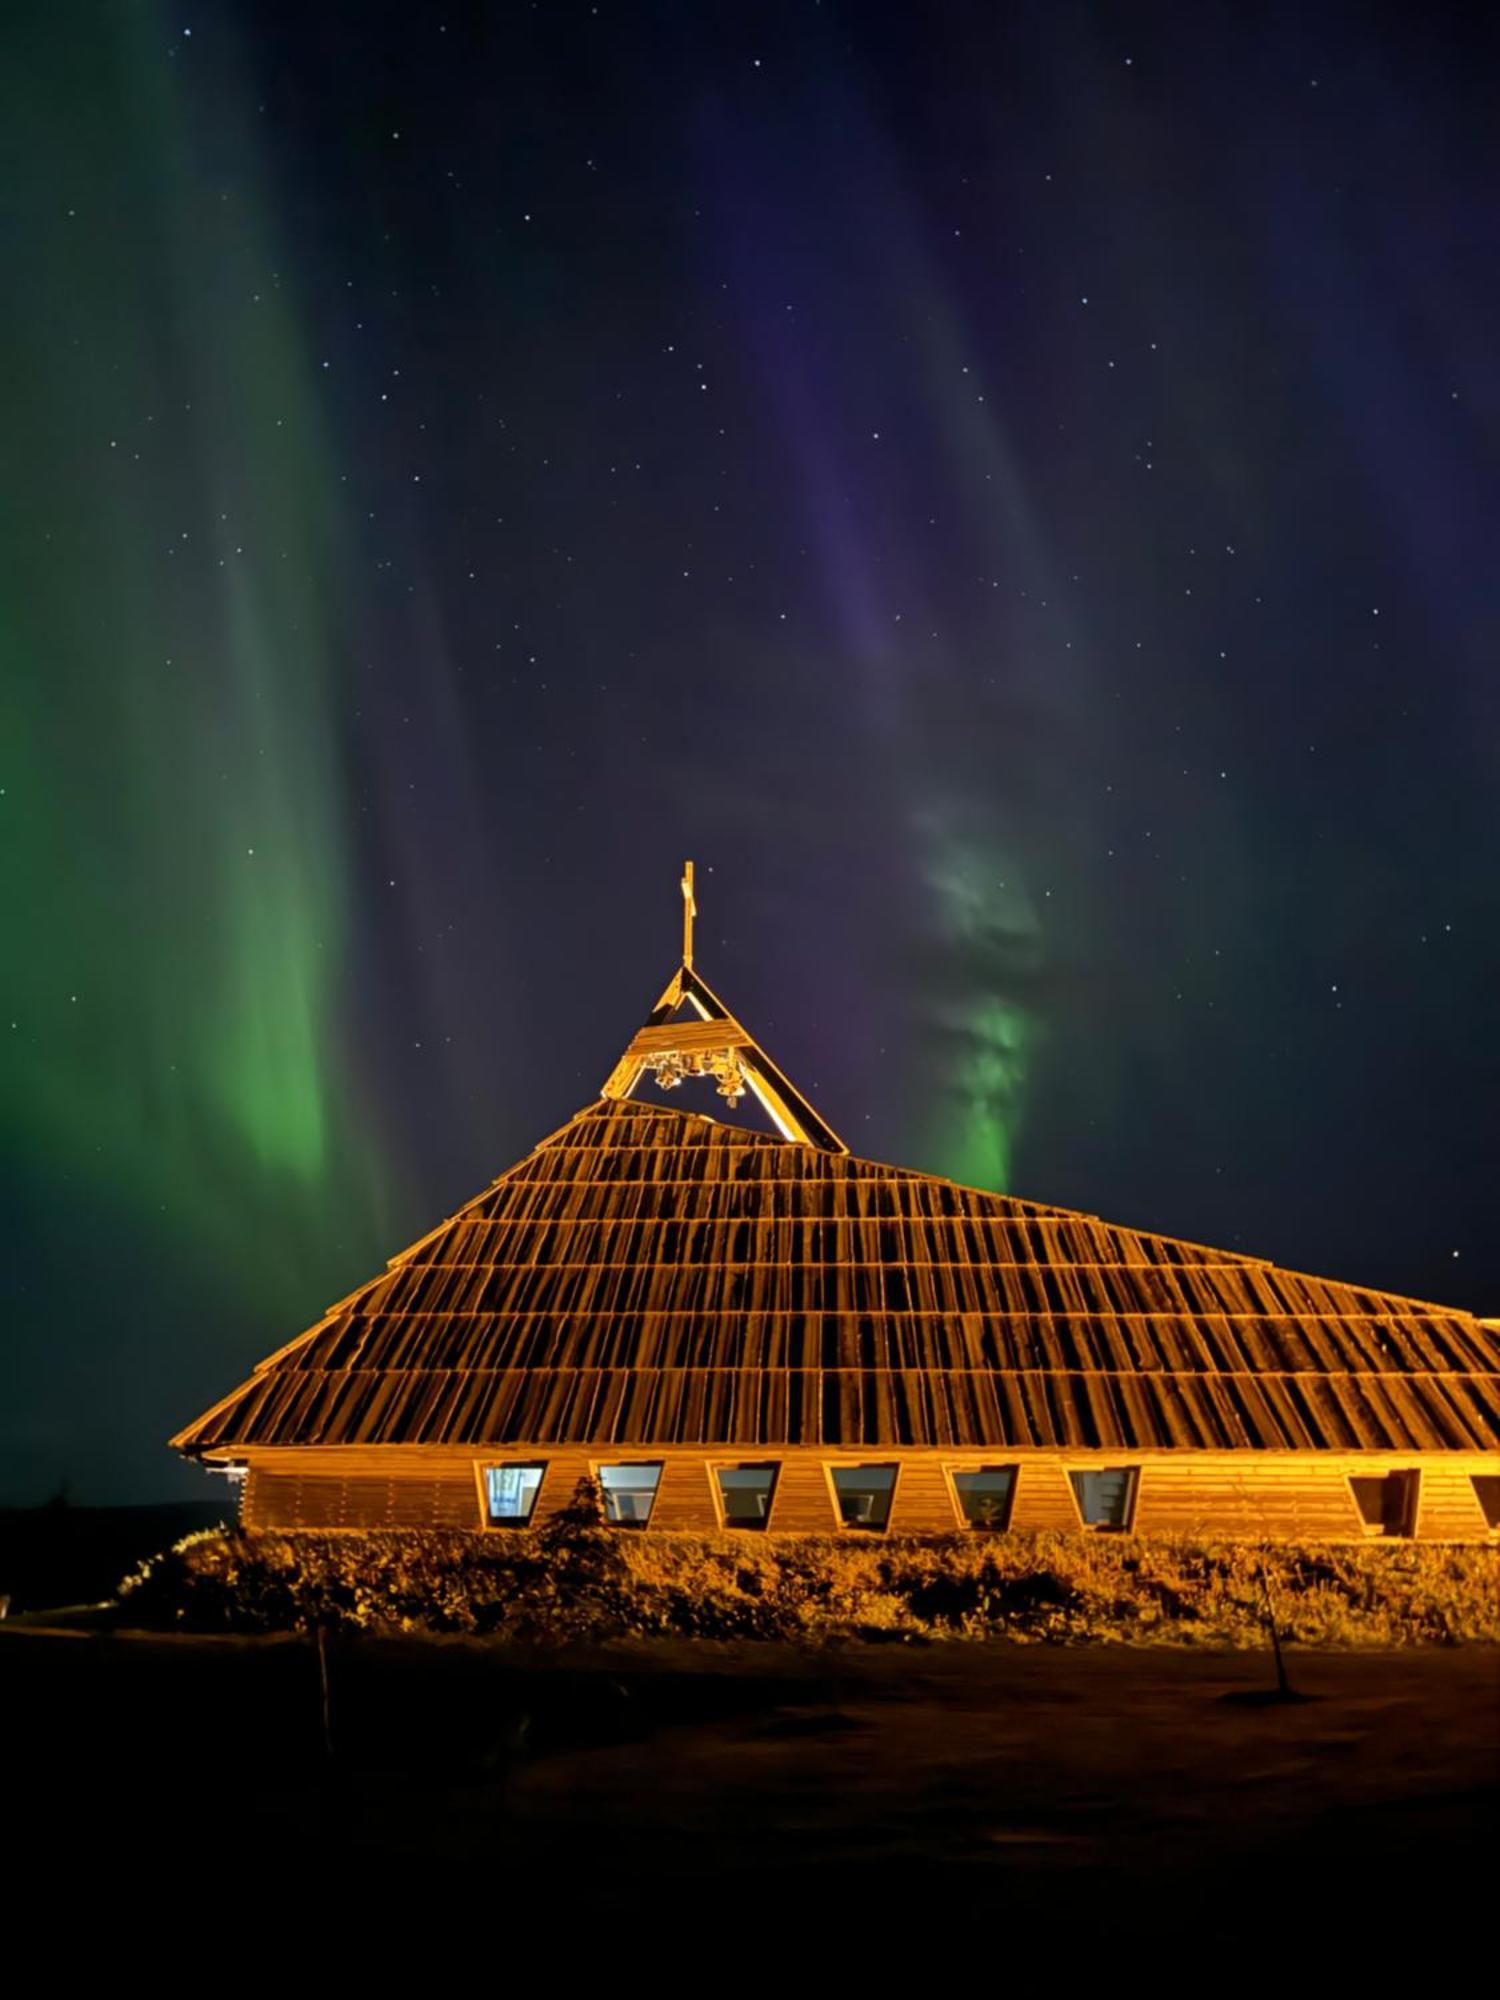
[[691, 1033]]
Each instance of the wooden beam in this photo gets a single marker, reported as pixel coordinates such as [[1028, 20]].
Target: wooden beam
[[690, 1037]]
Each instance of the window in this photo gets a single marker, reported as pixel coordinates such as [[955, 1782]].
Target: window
[[1487, 1493], [629, 1493], [985, 1494], [510, 1493], [745, 1494], [1105, 1498], [864, 1494], [1387, 1502]]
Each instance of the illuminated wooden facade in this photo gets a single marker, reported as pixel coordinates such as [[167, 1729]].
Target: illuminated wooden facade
[[758, 1331]]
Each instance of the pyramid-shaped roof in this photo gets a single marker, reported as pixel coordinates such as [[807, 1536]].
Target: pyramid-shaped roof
[[653, 1277]]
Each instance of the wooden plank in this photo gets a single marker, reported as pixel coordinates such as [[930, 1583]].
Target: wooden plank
[[1044, 1499], [923, 1503], [1308, 1500], [1448, 1508], [689, 1038], [803, 1504], [684, 1499]]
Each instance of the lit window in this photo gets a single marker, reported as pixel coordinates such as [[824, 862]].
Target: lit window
[[864, 1494], [1487, 1493], [745, 1492], [629, 1493], [1387, 1502], [1105, 1497], [985, 1494], [510, 1493]]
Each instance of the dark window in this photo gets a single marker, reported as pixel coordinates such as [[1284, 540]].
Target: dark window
[[629, 1493], [1487, 1493], [1387, 1502], [1105, 1497], [745, 1491], [510, 1493], [985, 1495], [864, 1494]]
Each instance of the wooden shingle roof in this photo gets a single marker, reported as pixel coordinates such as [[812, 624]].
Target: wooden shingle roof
[[648, 1277]]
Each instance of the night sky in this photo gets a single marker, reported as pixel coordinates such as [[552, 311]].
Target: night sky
[[1012, 491]]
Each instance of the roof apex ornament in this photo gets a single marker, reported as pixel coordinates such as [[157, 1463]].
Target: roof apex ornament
[[714, 1045]]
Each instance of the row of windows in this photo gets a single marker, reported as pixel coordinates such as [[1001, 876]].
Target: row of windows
[[862, 1493], [1105, 1495]]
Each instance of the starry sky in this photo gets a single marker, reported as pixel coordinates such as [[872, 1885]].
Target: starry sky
[[1011, 491]]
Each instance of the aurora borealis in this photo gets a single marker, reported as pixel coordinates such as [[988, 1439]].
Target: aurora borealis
[[1011, 491]]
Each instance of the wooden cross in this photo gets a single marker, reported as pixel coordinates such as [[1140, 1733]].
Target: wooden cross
[[689, 911]]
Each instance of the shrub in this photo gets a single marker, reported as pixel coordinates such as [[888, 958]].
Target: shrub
[[577, 1579]]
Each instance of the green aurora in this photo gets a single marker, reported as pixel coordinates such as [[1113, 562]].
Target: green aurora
[[981, 1020], [174, 857]]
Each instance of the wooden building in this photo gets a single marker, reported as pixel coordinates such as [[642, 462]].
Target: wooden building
[[757, 1331]]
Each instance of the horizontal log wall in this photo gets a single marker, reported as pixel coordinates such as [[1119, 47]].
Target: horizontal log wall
[[1044, 1497], [1279, 1499], [325, 1497], [1253, 1496], [803, 1503], [1448, 1508]]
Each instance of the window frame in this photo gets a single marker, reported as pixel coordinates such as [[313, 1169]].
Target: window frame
[[716, 1492], [966, 1526], [598, 1467], [482, 1468], [860, 1464], [1132, 1495], [1377, 1531]]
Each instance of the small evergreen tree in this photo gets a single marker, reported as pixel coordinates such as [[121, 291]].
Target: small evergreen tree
[[583, 1513]]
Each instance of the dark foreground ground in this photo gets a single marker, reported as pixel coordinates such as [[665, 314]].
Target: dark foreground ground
[[1027, 1790]]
